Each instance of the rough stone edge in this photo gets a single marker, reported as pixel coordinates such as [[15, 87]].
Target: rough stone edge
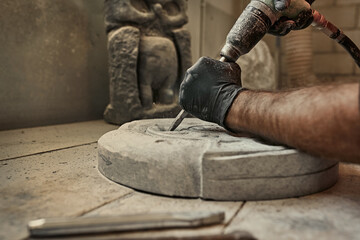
[[270, 188], [185, 182], [128, 127], [292, 163]]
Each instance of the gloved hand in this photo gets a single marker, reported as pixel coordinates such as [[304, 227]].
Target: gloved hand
[[209, 88], [281, 5], [284, 25]]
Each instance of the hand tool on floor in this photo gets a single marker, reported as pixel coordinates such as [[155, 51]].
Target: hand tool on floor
[[126, 223], [257, 19]]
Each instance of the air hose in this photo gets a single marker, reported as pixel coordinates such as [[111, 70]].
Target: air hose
[[335, 33]]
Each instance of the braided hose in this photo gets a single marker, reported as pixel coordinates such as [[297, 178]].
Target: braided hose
[[335, 33]]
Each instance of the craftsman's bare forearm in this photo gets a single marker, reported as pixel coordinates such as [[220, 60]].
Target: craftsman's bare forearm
[[322, 120]]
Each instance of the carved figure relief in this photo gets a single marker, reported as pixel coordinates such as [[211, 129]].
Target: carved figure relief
[[148, 53]]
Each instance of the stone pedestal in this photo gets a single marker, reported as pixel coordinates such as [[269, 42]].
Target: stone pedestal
[[258, 70], [201, 159]]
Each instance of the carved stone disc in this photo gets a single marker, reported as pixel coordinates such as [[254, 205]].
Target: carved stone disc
[[201, 159]]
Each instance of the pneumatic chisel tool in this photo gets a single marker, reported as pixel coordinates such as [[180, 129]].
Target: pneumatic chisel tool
[[260, 17]]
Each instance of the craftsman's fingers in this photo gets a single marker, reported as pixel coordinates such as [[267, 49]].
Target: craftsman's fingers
[[201, 66], [234, 73], [207, 68], [281, 5], [304, 19], [282, 27], [209, 88]]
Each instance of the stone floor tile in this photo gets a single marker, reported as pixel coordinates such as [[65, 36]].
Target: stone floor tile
[[61, 183], [28, 141], [332, 214], [138, 202]]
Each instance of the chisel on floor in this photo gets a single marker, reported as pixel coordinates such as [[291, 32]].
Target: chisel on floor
[[126, 223]]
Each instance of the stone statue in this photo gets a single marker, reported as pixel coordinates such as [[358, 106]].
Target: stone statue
[[149, 52], [258, 71]]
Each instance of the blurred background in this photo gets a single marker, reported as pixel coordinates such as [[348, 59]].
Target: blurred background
[[53, 61]]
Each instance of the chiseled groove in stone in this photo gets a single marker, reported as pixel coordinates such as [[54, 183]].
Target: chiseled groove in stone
[[230, 178], [269, 189], [206, 149], [183, 133], [219, 156], [283, 163], [152, 131]]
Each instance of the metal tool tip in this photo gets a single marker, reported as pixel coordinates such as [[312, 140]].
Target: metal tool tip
[[179, 118]]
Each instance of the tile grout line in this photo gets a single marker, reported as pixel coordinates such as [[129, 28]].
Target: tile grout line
[[233, 217], [130, 194], [48, 151]]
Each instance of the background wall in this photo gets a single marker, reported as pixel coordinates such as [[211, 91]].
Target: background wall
[[209, 23], [53, 62]]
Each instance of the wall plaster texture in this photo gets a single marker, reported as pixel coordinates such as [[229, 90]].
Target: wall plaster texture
[[53, 62], [200, 159]]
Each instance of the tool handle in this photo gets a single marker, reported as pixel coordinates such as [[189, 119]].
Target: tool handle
[[125, 223], [252, 25], [351, 48]]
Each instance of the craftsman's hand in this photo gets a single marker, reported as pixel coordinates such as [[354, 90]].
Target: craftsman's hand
[[284, 25], [209, 88]]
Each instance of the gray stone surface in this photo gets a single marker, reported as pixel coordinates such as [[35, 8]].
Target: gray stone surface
[[265, 188], [149, 52], [200, 159]]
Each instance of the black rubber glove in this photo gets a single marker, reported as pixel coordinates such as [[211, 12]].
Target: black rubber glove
[[284, 25], [281, 5], [209, 89]]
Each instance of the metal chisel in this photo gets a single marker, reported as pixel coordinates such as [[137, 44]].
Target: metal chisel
[[126, 223]]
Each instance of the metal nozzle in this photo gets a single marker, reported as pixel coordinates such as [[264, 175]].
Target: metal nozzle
[[177, 121]]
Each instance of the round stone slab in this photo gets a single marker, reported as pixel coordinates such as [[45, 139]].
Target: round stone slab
[[201, 159]]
